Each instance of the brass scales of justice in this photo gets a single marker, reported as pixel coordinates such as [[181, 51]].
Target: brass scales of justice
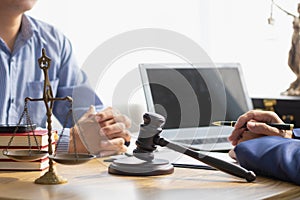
[[50, 177]]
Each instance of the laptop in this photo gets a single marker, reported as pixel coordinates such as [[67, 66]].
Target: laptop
[[192, 96]]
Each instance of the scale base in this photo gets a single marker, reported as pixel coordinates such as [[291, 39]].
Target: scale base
[[133, 166], [50, 178]]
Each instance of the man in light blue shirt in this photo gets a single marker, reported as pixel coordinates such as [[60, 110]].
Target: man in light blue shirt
[[21, 41]]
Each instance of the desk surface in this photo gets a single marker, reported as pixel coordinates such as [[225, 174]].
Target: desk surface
[[92, 181]]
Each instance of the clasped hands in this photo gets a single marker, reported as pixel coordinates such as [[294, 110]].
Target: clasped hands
[[102, 134], [256, 126]]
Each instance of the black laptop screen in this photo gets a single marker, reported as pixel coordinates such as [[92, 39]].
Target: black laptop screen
[[184, 96]]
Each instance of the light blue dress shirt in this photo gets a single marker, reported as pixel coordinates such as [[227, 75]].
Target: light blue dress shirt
[[21, 76]]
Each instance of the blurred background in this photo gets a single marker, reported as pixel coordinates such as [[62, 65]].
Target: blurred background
[[228, 30]]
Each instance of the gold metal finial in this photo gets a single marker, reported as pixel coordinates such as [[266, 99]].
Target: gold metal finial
[[44, 61]]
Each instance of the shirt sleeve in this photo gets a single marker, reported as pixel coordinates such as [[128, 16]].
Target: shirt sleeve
[[271, 156], [73, 82]]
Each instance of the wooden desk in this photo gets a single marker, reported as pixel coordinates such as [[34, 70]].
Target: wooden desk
[[92, 181]]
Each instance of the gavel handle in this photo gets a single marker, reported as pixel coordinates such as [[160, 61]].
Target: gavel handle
[[221, 165]]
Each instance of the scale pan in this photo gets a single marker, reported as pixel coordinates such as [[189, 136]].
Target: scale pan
[[72, 159], [25, 155]]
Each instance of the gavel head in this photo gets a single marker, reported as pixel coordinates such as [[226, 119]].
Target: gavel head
[[149, 130]]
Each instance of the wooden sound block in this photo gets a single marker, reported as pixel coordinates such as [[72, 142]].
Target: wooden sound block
[[132, 166]]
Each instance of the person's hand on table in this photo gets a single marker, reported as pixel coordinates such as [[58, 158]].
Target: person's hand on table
[[256, 126], [104, 133]]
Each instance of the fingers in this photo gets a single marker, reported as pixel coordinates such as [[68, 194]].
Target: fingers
[[258, 115], [116, 130], [110, 116], [112, 147], [91, 111], [232, 154], [255, 122], [75, 143], [253, 130], [105, 132], [264, 129], [109, 153], [124, 119], [236, 135], [243, 119], [116, 144], [114, 124], [117, 119], [106, 114], [106, 123]]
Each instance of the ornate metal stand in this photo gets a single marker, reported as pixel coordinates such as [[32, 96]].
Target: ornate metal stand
[[50, 177]]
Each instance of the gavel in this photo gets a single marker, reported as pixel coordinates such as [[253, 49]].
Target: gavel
[[149, 138]]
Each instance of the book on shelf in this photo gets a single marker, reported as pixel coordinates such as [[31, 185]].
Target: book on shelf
[[12, 165], [20, 142], [8, 164], [21, 139]]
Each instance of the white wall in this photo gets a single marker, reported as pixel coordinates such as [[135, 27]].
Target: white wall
[[229, 30], [240, 32], [90, 23]]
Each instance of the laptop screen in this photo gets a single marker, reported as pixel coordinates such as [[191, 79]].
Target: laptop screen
[[195, 95]]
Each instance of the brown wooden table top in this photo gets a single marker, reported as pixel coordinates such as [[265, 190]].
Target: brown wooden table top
[[91, 180]]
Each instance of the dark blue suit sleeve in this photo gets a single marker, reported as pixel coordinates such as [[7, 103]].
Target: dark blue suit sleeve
[[271, 156]]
